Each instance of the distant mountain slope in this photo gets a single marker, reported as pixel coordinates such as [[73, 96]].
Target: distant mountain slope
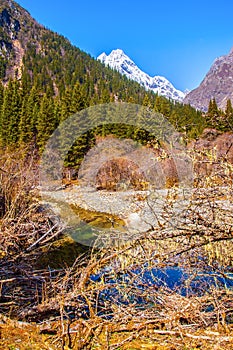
[[30, 52], [118, 60], [218, 84]]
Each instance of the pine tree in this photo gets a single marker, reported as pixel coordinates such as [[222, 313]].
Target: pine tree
[[229, 114], [165, 107], [1, 95], [57, 109], [46, 122], [15, 113], [131, 99], [1, 103], [105, 96], [78, 100], [29, 115], [213, 110], [6, 112], [212, 117], [210, 108], [10, 115], [2, 67], [66, 105], [26, 83], [157, 105], [146, 102]]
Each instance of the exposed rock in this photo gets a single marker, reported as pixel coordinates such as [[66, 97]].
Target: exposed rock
[[218, 84], [17, 29], [209, 134], [213, 148], [221, 144], [10, 25]]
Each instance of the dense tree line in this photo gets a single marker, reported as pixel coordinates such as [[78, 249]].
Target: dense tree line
[[220, 119], [29, 112]]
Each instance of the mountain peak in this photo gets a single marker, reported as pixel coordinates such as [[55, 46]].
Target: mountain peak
[[118, 52], [217, 84], [102, 57], [118, 60]]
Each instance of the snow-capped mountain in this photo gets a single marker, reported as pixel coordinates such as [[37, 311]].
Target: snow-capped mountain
[[118, 60]]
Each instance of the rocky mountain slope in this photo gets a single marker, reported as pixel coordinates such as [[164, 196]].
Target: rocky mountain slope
[[118, 60], [37, 56], [218, 84]]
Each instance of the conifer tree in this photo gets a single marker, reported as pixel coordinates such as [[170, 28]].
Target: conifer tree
[[78, 100], [57, 109], [131, 100], [105, 96], [165, 107], [26, 83], [229, 114], [157, 105], [29, 115], [210, 107], [213, 110], [1, 103], [46, 122], [5, 113], [15, 113], [10, 115], [66, 105], [212, 117], [1, 95], [146, 102]]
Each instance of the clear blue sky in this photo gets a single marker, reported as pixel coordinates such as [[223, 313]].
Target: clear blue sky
[[177, 39]]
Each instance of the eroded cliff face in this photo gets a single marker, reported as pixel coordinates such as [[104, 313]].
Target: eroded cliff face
[[10, 24], [9, 29], [218, 84], [16, 30]]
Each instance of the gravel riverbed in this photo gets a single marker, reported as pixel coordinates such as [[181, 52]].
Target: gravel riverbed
[[139, 209]]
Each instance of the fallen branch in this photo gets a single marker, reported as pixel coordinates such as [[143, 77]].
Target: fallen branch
[[42, 237]]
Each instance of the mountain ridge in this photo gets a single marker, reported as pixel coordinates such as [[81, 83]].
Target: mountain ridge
[[118, 60], [217, 84]]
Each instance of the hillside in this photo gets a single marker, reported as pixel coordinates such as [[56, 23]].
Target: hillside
[[28, 48], [217, 84]]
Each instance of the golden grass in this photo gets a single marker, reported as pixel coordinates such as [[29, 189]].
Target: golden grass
[[57, 298]]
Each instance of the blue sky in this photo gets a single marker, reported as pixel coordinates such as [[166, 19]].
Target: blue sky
[[177, 39]]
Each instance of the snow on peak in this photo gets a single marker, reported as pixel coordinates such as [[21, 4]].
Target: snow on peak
[[102, 57], [118, 60]]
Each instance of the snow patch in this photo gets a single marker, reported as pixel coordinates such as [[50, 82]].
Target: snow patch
[[118, 60]]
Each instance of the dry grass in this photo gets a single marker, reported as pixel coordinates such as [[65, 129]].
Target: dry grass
[[81, 312]]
